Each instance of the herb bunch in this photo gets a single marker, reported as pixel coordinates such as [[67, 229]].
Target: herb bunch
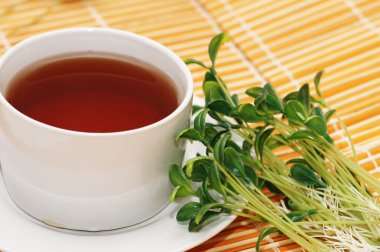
[[327, 203]]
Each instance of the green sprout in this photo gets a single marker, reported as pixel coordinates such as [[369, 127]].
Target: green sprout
[[326, 205]]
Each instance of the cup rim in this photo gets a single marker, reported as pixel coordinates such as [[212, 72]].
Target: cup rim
[[158, 46]]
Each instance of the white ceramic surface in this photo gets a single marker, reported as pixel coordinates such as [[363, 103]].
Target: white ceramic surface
[[90, 181], [20, 233]]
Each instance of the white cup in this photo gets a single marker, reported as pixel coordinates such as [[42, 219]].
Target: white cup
[[90, 181]]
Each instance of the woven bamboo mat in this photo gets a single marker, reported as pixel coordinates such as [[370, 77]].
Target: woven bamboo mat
[[284, 42]]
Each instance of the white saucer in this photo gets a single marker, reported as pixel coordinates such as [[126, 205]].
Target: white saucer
[[19, 232]]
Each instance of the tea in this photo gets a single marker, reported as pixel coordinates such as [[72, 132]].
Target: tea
[[93, 93]]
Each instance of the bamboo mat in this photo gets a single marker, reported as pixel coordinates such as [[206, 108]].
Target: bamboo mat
[[284, 42]]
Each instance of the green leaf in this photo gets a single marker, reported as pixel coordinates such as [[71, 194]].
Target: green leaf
[[188, 211], [329, 114], [183, 192], [248, 160], [273, 143], [300, 214], [235, 99], [271, 98], [204, 198], [220, 106], [251, 175], [261, 106], [207, 218], [180, 192], [210, 133], [268, 89], [196, 62], [234, 145], [175, 193], [261, 183], [317, 111], [274, 104], [190, 134], [329, 139], [264, 234], [215, 98], [233, 161], [205, 208], [262, 139], [181, 183], [303, 135], [257, 141], [215, 116], [213, 91], [196, 108], [292, 205], [304, 97], [215, 179], [177, 177], [317, 124], [200, 122], [215, 44], [247, 112], [254, 91], [209, 77], [200, 171], [295, 112], [297, 160], [194, 161], [219, 148], [317, 80], [247, 146], [290, 96], [207, 198], [217, 137], [305, 176], [260, 99]]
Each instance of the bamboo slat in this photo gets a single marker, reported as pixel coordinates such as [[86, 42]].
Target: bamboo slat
[[284, 42]]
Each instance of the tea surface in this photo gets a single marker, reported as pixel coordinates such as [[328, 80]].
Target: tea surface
[[93, 94]]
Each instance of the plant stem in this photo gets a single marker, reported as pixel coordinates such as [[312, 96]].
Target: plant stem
[[285, 225]]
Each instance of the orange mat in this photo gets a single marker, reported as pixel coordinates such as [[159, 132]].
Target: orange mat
[[284, 42]]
